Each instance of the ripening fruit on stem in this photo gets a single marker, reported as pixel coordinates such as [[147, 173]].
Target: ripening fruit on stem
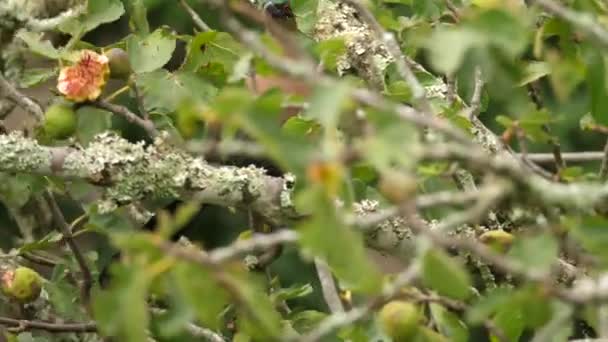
[[400, 320], [120, 67], [22, 284], [59, 121]]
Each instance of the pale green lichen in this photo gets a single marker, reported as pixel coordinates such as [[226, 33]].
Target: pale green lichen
[[133, 171], [364, 53], [392, 235], [24, 155]]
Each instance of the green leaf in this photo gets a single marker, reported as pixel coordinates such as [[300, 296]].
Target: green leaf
[[305, 321], [295, 291], [330, 51], [212, 46], [327, 104], [399, 91], [592, 233], [448, 48], [202, 293], [98, 12], [258, 317], [306, 14], [444, 275], [448, 324], [122, 310], [510, 319], [384, 149], [492, 29], [37, 45], [48, 241], [151, 52], [261, 120], [34, 76], [535, 71], [485, 306], [163, 91], [91, 122], [597, 80], [326, 237], [536, 252]]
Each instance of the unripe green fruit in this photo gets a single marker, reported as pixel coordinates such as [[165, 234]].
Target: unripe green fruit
[[400, 320], [59, 121], [120, 67], [22, 284]]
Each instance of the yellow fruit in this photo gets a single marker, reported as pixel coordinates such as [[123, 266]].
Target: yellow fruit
[[400, 320], [120, 67], [397, 187], [59, 121], [499, 240], [22, 284]]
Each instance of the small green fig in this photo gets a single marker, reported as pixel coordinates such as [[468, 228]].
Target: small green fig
[[400, 320], [120, 67], [22, 284], [59, 121]]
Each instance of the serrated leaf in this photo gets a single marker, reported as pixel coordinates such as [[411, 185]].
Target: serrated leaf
[[151, 52], [202, 293], [444, 275], [212, 46], [163, 91], [48, 241], [34, 76], [37, 45], [98, 12], [330, 51], [91, 122], [122, 310]]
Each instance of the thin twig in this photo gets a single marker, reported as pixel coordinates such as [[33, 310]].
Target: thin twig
[[328, 286], [21, 99], [475, 106], [570, 157], [147, 125], [196, 330], [25, 325], [87, 278], [140, 103], [258, 241], [198, 21], [604, 166]]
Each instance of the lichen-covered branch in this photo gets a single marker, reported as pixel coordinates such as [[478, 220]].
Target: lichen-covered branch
[[131, 172]]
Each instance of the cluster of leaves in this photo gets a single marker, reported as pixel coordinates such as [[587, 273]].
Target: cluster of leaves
[[541, 76]]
